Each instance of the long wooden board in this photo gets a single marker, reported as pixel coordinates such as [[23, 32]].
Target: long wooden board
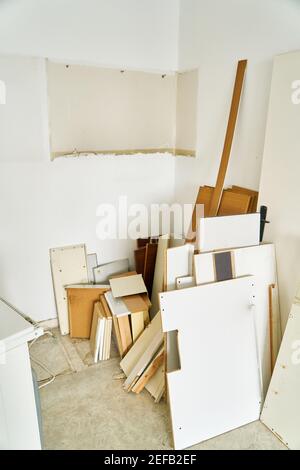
[[239, 80], [158, 280]]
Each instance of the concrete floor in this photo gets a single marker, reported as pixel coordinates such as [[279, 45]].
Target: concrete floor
[[87, 408]]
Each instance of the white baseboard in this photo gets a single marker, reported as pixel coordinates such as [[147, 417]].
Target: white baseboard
[[49, 324]]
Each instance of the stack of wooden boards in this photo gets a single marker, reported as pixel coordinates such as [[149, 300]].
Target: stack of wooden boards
[[129, 304], [88, 310], [234, 201], [220, 318], [144, 363]]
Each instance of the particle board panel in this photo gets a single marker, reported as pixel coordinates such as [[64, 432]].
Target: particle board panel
[[149, 372], [281, 411], [69, 266], [201, 208], [179, 263], [137, 324], [250, 192], [81, 301], [127, 285], [92, 262], [185, 282], [139, 259], [156, 384], [149, 266], [117, 307], [259, 261], [125, 332], [233, 203], [140, 346], [104, 272], [217, 233], [158, 279], [279, 188], [135, 303], [216, 337]]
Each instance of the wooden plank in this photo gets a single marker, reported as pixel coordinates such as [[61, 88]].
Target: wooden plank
[[125, 333], [156, 384], [281, 411], [104, 272], [203, 199], [149, 372], [144, 359], [108, 316], [68, 265], [139, 347], [179, 263], [135, 303], [149, 266], [127, 285], [95, 333], [233, 231], [158, 280], [92, 262], [226, 392], [139, 258], [233, 203], [81, 301], [238, 86], [137, 324], [250, 192]]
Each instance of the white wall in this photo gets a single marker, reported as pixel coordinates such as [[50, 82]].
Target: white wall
[[45, 204], [214, 35]]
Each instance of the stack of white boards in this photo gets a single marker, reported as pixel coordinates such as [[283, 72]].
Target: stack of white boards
[[143, 365], [101, 331], [217, 311], [281, 411]]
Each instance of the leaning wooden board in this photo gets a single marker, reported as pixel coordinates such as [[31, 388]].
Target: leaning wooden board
[[217, 388], [259, 261], [281, 411], [232, 231], [81, 301], [69, 266]]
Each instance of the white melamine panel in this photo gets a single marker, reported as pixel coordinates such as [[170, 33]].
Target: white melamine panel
[[217, 388], [92, 262], [281, 411], [232, 231], [127, 285], [117, 306], [179, 263], [184, 282], [158, 279], [105, 271], [279, 186], [69, 266], [259, 261], [204, 268]]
